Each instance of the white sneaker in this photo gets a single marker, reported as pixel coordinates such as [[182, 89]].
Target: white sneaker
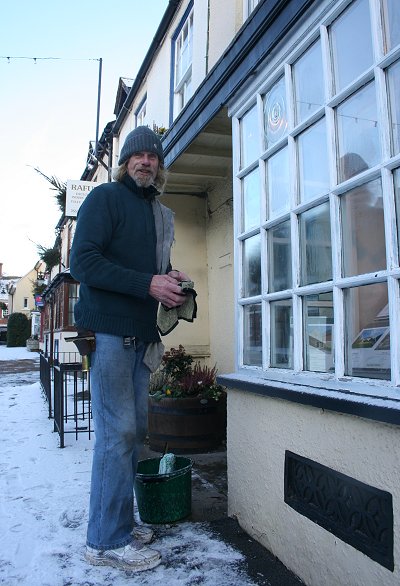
[[127, 558], [143, 534]]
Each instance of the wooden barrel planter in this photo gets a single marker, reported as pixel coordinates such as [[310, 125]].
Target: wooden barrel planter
[[188, 425]]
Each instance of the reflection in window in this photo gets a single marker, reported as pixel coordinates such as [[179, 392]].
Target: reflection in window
[[308, 82], [358, 133], [363, 231], [315, 245], [313, 162], [249, 137], [73, 293], [393, 78], [396, 179], [252, 266], [278, 183], [251, 200], [279, 257], [275, 114], [252, 339], [318, 332], [368, 341], [281, 334], [351, 43], [391, 17]]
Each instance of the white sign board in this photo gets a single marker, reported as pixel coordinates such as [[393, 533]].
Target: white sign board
[[76, 193]]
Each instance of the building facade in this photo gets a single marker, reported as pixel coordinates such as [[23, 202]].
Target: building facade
[[280, 123]]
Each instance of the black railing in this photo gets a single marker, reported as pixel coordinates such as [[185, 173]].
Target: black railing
[[45, 381], [70, 400]]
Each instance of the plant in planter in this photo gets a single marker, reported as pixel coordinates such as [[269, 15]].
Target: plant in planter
[[187, 407]]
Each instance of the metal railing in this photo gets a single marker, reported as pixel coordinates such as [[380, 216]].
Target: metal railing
[[69, 397], [45, 381]]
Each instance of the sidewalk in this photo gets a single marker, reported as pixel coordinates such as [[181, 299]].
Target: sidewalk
[[43, 513]]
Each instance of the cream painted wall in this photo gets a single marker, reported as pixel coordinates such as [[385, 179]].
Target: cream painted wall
[[189, 254], [260, 429], [220, 275], [226, 17]]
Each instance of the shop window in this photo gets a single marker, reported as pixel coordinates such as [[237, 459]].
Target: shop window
[[318, 180], [391, 17], [313, 161], [393, 78], [308, 82], [279, 257], [351, 55]]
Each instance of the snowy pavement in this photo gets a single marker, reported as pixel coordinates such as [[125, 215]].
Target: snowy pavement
[[44, 494]]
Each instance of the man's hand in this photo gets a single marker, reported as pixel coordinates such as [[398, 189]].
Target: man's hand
[[166, 290], [179, 276]]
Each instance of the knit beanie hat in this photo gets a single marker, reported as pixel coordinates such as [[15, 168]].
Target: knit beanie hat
[[139, 140]]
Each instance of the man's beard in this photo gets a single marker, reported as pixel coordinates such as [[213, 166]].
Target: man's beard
[[143, 181]]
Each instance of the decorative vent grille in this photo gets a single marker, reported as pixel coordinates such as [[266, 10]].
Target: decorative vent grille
[[359, 514]]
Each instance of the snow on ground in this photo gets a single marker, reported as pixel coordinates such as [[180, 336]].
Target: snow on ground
[[43, 508], [16, 354]]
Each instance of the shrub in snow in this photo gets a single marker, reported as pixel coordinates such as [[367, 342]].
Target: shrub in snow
[[18, 330]]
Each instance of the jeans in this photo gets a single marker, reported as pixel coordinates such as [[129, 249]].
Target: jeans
[[119, 389]]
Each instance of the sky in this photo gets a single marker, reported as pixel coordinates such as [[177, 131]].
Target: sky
[[48, 108], [44, 502]]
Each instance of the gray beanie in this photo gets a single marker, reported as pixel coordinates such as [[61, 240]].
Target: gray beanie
[[139, 140]]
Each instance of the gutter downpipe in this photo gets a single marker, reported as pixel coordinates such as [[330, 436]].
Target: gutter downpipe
[[158, 37]]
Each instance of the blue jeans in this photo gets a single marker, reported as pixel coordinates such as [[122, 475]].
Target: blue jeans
[[119, 389]]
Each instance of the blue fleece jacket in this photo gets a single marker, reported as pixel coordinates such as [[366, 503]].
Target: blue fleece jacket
[[113, 256]]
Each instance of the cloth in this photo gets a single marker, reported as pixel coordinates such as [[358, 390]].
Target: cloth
[[168, 318], [114, 257], [141, 139], [120, 405]]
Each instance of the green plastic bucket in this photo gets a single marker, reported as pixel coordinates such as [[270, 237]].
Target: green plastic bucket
[[164, 498]]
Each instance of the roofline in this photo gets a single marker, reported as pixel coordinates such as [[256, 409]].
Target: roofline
[[155, 44]]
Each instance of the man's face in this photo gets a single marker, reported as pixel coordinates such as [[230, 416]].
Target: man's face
[[143, 168]]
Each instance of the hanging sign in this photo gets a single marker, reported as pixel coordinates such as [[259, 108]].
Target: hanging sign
[[76, 193]]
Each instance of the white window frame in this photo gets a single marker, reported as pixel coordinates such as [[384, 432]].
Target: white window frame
[[183, 79], [281, 64], [248, 7], [141, 113]]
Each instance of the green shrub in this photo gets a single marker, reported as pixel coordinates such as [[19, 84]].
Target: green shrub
[[18, 330]]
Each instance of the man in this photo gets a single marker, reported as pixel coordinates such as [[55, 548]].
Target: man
[[120, 256]]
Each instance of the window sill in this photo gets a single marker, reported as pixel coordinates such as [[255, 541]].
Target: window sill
[[376, 402]]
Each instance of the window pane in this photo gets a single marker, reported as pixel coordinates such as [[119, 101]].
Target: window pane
[[308, 82], [275, 113], [363, 230], [279, 257], [318, 332], [281, 334], [368, 343], [391, 16], [315, 245], [396, 177], [351, 43], [358, 133], [313, 162], [252, 339], [252, 266], [278, 183], [394, 102], [251, 200], [249, 138]]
